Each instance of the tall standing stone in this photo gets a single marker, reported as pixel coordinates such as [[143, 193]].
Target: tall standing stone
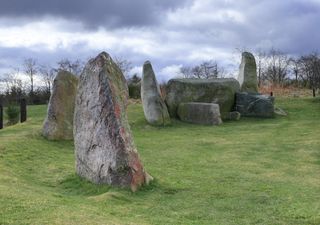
[[104, 148], [248, 73], [155, 110], [58, 124]]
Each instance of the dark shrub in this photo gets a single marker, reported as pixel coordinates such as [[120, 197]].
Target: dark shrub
[[12, 112]]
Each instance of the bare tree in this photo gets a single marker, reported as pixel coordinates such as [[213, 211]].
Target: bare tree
[[47, 74], [261, 58], [310, 70], [30, 68], [295, 66], [186, 72], [197, 71], [124, 65], [15, 88], [206, 70], [276, 70], [74, 67]]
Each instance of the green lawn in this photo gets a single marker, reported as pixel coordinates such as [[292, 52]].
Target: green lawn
[[254, 171]]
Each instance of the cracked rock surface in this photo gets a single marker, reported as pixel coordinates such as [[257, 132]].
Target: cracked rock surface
[[254, 105]]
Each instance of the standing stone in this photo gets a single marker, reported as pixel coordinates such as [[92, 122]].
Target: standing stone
[[248, 73], [58, 124], [155, 110], [220, 91], [104, 148], [200, 113]]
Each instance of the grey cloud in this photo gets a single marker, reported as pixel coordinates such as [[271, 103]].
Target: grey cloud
[[289, 25], [93, 13]]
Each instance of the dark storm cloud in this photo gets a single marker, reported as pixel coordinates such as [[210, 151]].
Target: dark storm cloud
[[92, 13]]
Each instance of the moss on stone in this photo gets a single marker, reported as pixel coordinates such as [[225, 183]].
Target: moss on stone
[[220, 91], [58, 124]]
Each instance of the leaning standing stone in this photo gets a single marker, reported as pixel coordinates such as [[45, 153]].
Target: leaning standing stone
[[155, 110], [104, 148], [58, 124], [248, 73]]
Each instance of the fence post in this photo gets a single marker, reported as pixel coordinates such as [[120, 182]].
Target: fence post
[[1, 116], [23, 110]]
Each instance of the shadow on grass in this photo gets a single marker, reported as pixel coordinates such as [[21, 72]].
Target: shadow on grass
[[73, 185]]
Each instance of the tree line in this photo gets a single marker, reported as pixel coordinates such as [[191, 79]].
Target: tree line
[[16, 89], [274, 68]]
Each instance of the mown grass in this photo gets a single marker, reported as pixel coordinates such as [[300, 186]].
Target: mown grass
[[254, 171]]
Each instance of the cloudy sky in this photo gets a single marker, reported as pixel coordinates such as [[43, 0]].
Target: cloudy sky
[[169, 33]]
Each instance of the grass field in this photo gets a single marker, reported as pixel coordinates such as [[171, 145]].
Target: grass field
[[254, 171]]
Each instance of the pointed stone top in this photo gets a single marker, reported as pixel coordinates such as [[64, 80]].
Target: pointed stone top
[[103, 54], [101, 59], [247, 54], [147, 62]]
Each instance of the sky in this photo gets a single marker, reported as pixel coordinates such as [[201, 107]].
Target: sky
[[169, 33]]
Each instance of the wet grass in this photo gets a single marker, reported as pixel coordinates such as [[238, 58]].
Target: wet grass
[[254, 171]]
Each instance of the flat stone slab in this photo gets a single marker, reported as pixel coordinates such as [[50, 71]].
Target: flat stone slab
[[200, 113], [254, 105], [219, 91]]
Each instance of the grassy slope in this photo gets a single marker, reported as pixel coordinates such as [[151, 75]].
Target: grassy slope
[[253, 171]]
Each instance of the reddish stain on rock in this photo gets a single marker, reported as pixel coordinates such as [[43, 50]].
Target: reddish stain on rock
[[117, 110], [138, 174], [122, 131], [103, 91]]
